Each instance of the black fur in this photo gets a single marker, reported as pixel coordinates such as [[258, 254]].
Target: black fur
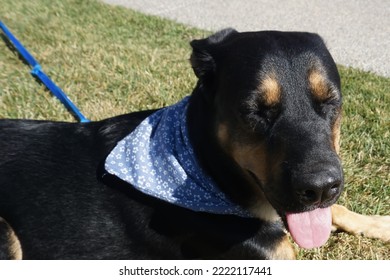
[[61, 203]]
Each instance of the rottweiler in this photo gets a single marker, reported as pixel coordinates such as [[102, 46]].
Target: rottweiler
[[250, 157]]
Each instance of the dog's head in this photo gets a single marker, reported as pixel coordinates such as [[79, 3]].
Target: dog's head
[[277, 108]]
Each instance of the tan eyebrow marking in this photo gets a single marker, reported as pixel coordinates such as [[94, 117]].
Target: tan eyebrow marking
[[270, 90], [319, 86]]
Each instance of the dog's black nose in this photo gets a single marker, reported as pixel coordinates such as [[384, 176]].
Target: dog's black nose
[[318, 187]]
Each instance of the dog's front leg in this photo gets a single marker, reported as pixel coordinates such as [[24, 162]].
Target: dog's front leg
[[283, 250], [369, 226], [10, 247]]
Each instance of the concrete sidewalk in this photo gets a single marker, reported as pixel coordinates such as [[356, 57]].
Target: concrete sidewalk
[[357, 32]]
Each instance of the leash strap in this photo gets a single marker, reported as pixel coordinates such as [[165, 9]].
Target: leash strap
[[38, 73]]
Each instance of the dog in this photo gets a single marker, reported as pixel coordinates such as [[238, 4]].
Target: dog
[[254, 150]]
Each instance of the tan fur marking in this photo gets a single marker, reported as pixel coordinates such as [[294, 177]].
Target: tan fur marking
[[284, 250], [243, 155], [14, 246], [254, 159], [264, 210], [336, 134], [270, 90], [318, 85], [357, 224]]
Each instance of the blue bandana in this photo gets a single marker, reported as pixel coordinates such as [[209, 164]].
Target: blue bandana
[[157, 159]]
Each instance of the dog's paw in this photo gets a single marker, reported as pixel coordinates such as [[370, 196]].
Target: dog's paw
[[377, 227]]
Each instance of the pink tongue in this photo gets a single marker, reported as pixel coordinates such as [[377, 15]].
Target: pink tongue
[[310, 229]]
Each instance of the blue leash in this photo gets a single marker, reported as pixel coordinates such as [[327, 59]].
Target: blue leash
[[38, 73]]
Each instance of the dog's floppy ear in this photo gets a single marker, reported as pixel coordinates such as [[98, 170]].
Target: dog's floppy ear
[[202, 57]]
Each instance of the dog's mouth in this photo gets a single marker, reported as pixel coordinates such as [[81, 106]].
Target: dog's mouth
[[309, 229]]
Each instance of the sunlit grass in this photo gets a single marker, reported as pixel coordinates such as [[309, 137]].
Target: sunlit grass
[[111, 61]]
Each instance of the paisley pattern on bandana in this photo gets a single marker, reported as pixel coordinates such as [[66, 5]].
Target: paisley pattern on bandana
[[157, 159]]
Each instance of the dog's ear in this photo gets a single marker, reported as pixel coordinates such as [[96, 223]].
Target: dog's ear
[[203, 58]]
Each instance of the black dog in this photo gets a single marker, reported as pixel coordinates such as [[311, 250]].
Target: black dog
[[263, 122]]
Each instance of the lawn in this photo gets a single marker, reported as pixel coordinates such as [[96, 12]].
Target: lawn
[[111, 60]]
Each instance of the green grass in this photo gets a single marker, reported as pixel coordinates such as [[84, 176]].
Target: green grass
[[110, 61]]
